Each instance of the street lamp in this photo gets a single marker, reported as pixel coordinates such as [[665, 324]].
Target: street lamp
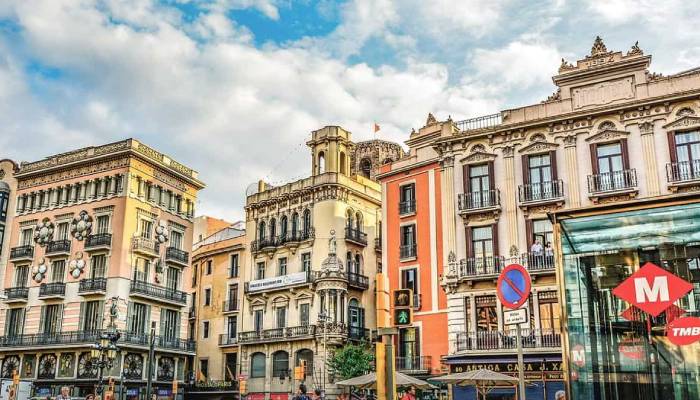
[[104, 353], [323, 318]]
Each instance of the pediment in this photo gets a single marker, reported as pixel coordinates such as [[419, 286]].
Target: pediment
[[686, 122], [280, 300], [538, 147], [607, 135], [478, 156], [304, 294], [258, 301]]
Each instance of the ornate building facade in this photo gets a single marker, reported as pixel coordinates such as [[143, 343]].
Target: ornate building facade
[[310, 280], [100, 238], [8, 191]]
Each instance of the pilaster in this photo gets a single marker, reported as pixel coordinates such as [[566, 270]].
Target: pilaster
[[448, 207], [572, 177], [650, 164], [509, 196]]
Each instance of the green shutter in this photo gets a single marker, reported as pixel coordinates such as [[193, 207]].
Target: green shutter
[[81, 323], [42, 320]]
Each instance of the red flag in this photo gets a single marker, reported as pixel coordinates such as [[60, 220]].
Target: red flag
[[376, 127]]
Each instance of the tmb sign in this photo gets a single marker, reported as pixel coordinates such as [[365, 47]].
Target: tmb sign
[[652, 289], [684, 331]]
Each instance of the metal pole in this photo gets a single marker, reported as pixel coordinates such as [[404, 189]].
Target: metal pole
[[521, 366], [101, 364], [151, 354], [389, 354]]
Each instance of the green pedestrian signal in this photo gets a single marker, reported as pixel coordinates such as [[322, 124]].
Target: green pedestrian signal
[[402, 317]]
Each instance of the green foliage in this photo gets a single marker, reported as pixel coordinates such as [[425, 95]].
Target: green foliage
[[352, 360]]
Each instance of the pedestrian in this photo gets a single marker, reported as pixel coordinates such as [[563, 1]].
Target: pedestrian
[[549, 254], [65, 394], [410, 394], [301, 393], [317, 394], [560, 395], [537, 252]]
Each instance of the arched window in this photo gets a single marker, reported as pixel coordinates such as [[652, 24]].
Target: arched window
[[308, 356], [295, 224], [321, 163], [342, 163], [366, 167], [273, 228], [257, 365], [283, 227], [358, 263], [280, 364], [350, 219], [358, 222], [307, 222], [348, 261], [356, 318], [261, 230]]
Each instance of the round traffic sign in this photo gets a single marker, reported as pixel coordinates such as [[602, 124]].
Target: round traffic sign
[[513, 287]]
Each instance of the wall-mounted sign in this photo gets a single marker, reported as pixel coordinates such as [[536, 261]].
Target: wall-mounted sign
[[277, 282], [513, 286], [652, 289], [513, 317], [684, 331], [632, 348]]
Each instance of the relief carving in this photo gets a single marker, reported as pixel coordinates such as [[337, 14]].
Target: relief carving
[[683, 123], [603, 92]]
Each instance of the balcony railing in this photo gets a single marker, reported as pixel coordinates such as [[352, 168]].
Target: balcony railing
[[98, 240], [22, 252], [358, 333], [17, 293], [226, 339], [479, 200], [145, 245], [416, 364], [177, 255], [229, 306], [355, 235], [278, 282], [537, 261], [683, 171], [378, 244], [417, 301], [407, 251], [612, 181], [407, 207], [485, 121], [480, 266], [52, 289], [192, 314], [90, 285], [158, 292], [495, 340], [285, 238], [277, 334], [54, 338], [542, 191], [161, 342], [358, 281], [295, 236], [58, 246]]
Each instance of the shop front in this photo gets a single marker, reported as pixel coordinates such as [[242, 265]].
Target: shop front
[[615, 351]]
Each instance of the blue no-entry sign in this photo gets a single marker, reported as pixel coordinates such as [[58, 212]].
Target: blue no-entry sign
[[513, 287]]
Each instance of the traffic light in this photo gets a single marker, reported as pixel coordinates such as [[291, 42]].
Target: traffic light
[[243, 386], [403, 307]]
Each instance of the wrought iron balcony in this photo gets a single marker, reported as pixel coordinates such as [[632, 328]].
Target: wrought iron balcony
[[684, 171], [58, 247], [407, 207], [295, 236], [537, 261], [414, 365], [226, 339], [355, 236], [229, 306], [92, 285], [358, 281], [541, 192], [358, 333], [378, 244], [53, 338], [264, 243], [15, 294], [55, 289], [277, 334], [98, 241], [22, 252], [615, 181], [156, 292], [496, 340], [286, 238], [161, 342], [477, 267], [144, 245], [177, 255], [407, 251], [485, 121], [479, 201]]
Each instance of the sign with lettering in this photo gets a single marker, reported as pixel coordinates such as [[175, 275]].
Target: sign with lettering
[[684, 331], [632, 348], [578, 355], [277, 282], [513, 317], [532, 369], [652, 289]]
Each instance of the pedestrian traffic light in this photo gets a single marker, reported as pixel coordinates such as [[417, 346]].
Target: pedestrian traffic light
[[242, 386], [403, 307]]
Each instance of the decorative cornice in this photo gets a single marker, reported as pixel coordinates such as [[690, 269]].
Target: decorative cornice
[[685, 122], [607, 135], [538, 147], [478, 156], [106, 209], [72, 173]]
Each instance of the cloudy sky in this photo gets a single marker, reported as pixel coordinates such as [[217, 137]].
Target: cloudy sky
[[232, 88]]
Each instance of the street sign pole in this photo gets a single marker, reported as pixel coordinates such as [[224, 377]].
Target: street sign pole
[[521, 365]]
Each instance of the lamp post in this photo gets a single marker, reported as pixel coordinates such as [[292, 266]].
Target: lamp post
[[105, 353], [323, 318]]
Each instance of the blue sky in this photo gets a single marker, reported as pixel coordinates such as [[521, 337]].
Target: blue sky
[[233, 87]]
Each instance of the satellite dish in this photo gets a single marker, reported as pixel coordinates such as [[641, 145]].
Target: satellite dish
[[251, 189]]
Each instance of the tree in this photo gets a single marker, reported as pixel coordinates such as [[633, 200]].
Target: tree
[[352, 360]]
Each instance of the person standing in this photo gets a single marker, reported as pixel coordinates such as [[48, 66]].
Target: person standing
[[65, 394], [410, 394]]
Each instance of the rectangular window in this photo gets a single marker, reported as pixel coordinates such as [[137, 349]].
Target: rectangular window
[[486, 316], [409, 347], [138, 319], [304, 314], [407, 199], [610, 159], [169, 324], [281, 317], [409, 279], [231, 366], [233, 267], [141, 269], [62, 231], [205, 330], [4, 201], [26, 237], [98, 266], [102, 224], [91, 316], [207, 296], [542, 230], [146, 229], [408, 235], [282, 266], [260, 271], [258, 320], [549, 313], [21, 276], [482, 242], [232, 296], [687, 155], [172, 280], [195, 270], [209, 267], [540, 169], [204, 367], [467, 314], [176, 239], [232, 326], [306, 262], [51, 317], [58, 271], [479, 185], [14, 322]]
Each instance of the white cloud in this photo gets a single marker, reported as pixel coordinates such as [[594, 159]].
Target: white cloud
[[517, 65]]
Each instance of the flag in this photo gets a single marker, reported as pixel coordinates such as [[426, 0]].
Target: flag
[[376, 127]]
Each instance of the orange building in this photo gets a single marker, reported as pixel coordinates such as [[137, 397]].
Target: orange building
[[413, 253]]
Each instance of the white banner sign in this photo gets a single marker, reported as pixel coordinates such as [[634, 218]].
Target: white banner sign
[[276, 282], [512, 317]]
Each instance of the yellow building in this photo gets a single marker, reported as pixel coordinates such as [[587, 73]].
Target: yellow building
[[100, 240], [217, 263]]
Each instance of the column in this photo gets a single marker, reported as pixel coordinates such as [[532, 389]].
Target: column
[[113, 185], [55, 196], [650, 163], [83, 191], [509, 196], [46, 199], [20, 204], [448, 207], [571, 163]]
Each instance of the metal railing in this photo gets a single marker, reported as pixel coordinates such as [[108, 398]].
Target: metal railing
[[93, 285], [355, 235], [407, 251], [17, 293], [52, 289], [22, 252], [226, 339], [159, 292], [42, 339], [477, 200], [414, 364], [175, 254], [541, 191], [378, 244], [407, 207], [277, 334], [294, 236], [480, 266], [161, 342], [286, 237], [612, 181], [58, 246], [358, 281], [229, 306], [683, 171], [485, 121], [98, 240], [358, 333], [537, 261], [144, 244], [495, 340]]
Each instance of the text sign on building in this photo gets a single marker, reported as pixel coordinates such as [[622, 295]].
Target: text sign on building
[[652, 289], [578, 355], [513, 317], [684, 331], [277, 281], [513, 287]]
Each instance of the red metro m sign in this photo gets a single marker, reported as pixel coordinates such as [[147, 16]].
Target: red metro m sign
[[652, 289]]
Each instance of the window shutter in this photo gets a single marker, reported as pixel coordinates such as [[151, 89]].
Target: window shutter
[[59, 318], [81, 323], [147, 321], [42, 321], [492, 184], [101, 314], [23, 316], [177, 326], [672, 146], [625, 154], [470, 244], [553, 164], [529, 233], [465, 178], [494, 238], [129, 316], [594, 158], [526, 169]]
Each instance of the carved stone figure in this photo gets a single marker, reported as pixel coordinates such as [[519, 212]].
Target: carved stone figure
[[43, 233], [81, 226]]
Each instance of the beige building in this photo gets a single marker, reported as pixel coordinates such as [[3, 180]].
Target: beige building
[[100, 239], [309, 285], [218, 261], [8, 192]]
